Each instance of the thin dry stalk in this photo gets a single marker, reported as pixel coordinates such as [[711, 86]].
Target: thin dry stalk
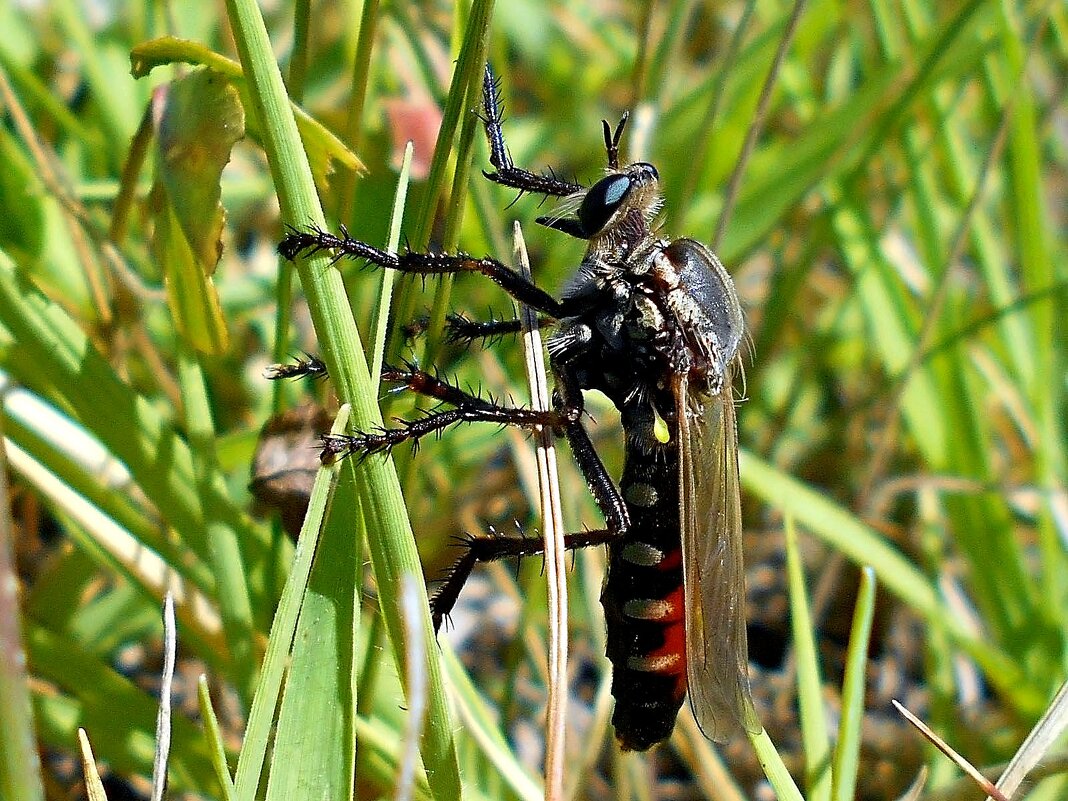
[[553, 533], [94, 788], [1036, 746], [982, 781], [163, 717]]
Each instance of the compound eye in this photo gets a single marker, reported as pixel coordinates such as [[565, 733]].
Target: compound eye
[[601, 202]]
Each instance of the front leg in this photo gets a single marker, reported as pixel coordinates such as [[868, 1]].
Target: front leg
[[507, 173], [314, 240]]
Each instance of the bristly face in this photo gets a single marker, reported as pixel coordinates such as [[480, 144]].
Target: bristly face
[[634, 189]]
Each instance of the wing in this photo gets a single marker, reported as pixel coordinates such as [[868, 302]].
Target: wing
[[713, 574]]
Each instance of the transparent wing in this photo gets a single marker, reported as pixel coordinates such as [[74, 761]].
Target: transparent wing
[[713, 574]]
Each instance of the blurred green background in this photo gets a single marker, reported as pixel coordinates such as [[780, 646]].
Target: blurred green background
[[886, 181]]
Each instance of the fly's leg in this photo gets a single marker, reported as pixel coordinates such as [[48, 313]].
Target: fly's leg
[[524, 180], [462, 329], [469, 408], [314, 240], [567, 397], [507, 173], [308, 366], [459, 328], [336, 446], [491, 547], [565, 418], [421, 382]]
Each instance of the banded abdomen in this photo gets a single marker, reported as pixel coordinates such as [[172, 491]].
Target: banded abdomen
[[643, 600]]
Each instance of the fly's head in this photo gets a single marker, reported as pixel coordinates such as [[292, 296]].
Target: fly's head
[[619, 208]]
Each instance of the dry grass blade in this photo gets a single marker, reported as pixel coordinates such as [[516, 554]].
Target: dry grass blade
[[917, 786], [582, 766], [163, 718], [20, 766], [757, 125], [411, 610], [94, 789], [982, 781], [553, 533], [1037, 744]]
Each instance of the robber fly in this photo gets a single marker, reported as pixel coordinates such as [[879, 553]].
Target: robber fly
[[655, 325]]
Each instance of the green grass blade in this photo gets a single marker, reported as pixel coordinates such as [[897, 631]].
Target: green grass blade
[[391, 543], [377, 759], [863, 546], [814, 736], [315, 741], [261, 716], [845, 764], [215, 739], [467, 70], [66, 450], [361, 65], [64, 361], [485, 731], [416, 683], [380, 315], [462, 88], [843, 137], [1039, 270], [227, 559], [113, 548], [774, 768]]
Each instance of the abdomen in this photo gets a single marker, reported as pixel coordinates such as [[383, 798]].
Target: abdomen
[[643, 601]]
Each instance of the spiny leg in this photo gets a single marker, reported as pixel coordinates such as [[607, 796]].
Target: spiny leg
[[462, 329], [469, 409], [568, 398], [340, 445], [602, 487], [493, 547], [507, 173], [565, 417], [459, 328], [310, 366], [315, 240], [424, 383]]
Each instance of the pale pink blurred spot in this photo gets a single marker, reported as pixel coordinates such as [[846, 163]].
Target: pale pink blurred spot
[[419, 121]]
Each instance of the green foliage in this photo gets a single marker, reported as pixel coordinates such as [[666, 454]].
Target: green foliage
[[890, 182]]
